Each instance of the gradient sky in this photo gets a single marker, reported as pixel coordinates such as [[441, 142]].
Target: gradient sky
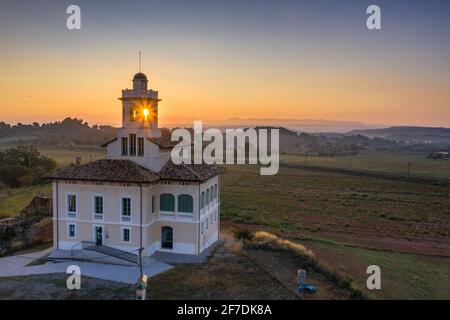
[[214, 60]]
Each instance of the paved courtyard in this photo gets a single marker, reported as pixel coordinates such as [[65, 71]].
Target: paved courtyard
[[17, 266]]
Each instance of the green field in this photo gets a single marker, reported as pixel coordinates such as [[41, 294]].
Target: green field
[[14, 200], [390, 162], [403, 276], [351, 222], [65, 157]]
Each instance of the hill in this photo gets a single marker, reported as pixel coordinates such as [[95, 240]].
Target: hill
[[70, 130], [408, 134]]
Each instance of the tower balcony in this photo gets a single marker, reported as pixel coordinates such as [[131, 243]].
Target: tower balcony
[[147, 94]]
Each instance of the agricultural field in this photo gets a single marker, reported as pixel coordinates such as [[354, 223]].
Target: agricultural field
[[65, 157], [348, 221], [13, 200], [351, 222], [377, 161]]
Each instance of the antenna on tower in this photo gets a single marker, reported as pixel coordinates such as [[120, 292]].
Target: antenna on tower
[[140, 62]]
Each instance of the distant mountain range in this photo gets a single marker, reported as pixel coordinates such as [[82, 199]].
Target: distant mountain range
[[296, 136], [303, 125], [408, 134]]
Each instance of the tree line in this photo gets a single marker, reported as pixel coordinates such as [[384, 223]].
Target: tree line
[[24, 166], [70, 130]]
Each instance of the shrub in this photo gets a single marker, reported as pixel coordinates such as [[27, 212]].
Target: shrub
[[244, 235]]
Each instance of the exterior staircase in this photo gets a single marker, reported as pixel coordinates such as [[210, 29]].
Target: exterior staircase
[[81, 249], [113, 252]]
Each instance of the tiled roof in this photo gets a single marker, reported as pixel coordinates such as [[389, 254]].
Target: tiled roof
[[108, 170], [106, 143], [163, 143], [128, 171], [189, 172]]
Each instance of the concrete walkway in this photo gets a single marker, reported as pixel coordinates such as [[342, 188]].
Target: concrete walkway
[[16, 266]]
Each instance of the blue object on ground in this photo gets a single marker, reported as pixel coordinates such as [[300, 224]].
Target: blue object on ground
[[309, 288]]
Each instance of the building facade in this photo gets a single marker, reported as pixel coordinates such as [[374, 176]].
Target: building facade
[[137, 198]]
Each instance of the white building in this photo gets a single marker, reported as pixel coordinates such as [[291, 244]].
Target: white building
[[137, 198]]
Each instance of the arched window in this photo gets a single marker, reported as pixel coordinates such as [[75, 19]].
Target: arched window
[[166, 202], [185, 203], [202, 200], [211, 194], [166, 238], [215, 191], [207, 196]]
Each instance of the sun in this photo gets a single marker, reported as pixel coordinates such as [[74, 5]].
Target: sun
[[146, 112]]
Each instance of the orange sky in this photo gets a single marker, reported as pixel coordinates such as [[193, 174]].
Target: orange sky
[[49, 90], [221, 69]]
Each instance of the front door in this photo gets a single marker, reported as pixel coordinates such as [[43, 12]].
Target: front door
[[98, 236]]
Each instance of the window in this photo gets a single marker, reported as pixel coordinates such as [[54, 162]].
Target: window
[[211, 195], [167, 202], [140, 147], [71, 206], [71, 231], [124, 146], [153, 204], [98, 207], [202, 200], [132, 144], [126, 209], [133, 114], [126, 235], [185, 203], [166, 238], [207, 223], [215, 191], [207, 197]]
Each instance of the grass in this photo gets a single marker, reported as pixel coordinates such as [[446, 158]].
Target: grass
[[381, 220], [313, 202], [64, 157], [303, 258], [226, 275], [390, 162], [54, 287], [403, 275], [12, 201]]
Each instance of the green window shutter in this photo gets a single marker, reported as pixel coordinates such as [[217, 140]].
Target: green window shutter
[[185, 203], [202, 200], [166, 202]]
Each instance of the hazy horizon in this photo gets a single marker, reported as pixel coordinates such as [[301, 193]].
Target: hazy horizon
[[214, 60]]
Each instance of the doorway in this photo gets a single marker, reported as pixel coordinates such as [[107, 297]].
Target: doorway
[[98, 236], [167, 238]]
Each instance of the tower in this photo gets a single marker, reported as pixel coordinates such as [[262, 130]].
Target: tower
[[140, 107]]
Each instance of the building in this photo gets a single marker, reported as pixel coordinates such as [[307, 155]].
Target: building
[[137, 197]]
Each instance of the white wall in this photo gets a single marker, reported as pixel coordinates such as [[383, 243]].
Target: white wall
[[186, 229]]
